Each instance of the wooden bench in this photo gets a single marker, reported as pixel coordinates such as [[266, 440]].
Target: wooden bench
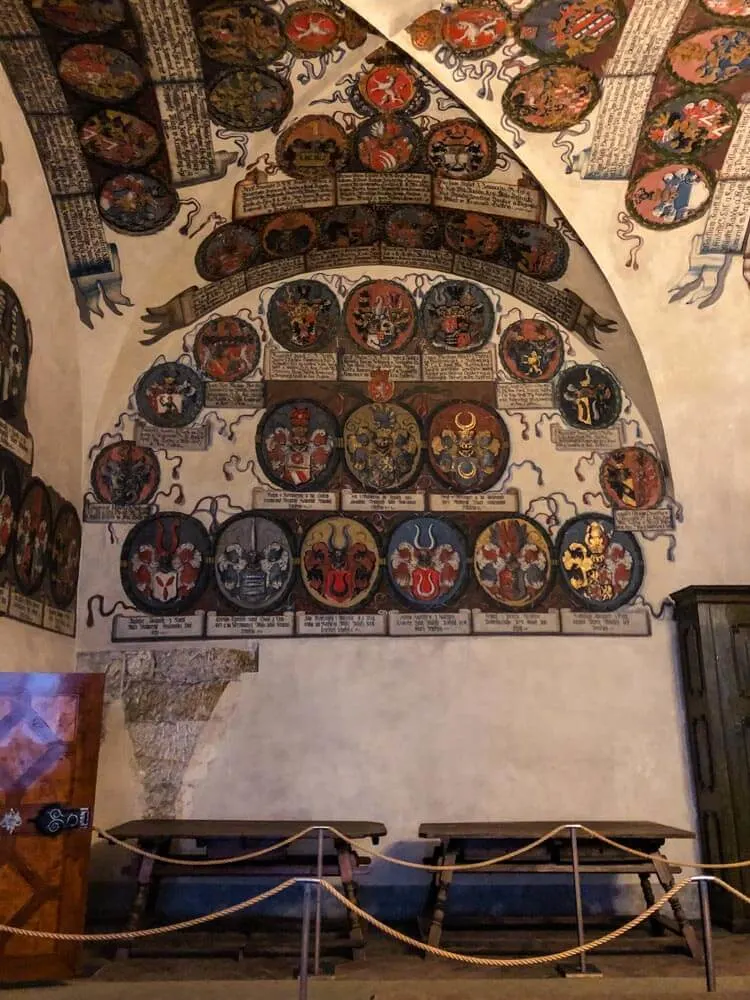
[[462, 843], [205, 839]]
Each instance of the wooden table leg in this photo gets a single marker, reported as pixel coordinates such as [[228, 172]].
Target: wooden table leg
[[145, 897], [443, 882], [680, 925], [656, 926], [346, 871]]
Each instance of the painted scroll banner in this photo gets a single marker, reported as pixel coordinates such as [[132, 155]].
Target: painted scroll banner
[[560, 304], [508, 200], [729, 217], [175, 69], [253, 198], [628, 84]]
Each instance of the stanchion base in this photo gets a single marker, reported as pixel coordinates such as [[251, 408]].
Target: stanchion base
[[327, 971], [574, 971]]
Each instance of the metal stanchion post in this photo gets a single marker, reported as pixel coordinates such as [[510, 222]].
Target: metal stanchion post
[[581, 969], [318, 904], [304, 949], [708, 940]]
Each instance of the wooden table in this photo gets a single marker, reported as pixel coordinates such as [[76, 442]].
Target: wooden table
[[226, 838], [461, 843]]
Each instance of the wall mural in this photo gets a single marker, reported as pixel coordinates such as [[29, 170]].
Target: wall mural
[[387, 411], [40, 531], [671, 117]]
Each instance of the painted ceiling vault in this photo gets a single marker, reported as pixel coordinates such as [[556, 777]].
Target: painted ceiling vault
[[376, 383]]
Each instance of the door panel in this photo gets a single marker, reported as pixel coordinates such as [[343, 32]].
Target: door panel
[[50, 726]]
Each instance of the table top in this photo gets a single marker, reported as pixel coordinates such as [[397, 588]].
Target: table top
[[156, 829], [616, 829]]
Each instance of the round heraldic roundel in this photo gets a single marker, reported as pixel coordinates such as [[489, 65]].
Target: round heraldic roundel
[[32, 538], [64, 556], [670, 195], [227, 349], [389, 88], [227, 250], [531, 350], [461, 149], [254, 562], [570, 28], [304, 315], [380, 316], [457, 316], [311, 29], [80, 17], [382, 446], [473, 32], [387, 144], [601, 567], [314, 146], [690, 124], [588, 397], [632, 478], [10, 495], [297, 445], [551, 97], [125, 474], [165, 563], [137, 204], [467, 445], [170, 395], [426, 562], [15, 351], [249, 99], [119, 139], [514, 562], [712, 56], [101, 73], [239, 33], [340, 563]]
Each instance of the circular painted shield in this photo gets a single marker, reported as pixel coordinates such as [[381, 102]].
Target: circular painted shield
[[10, 495], [254, 562], [382, 446], [165, 563], [15, 350], [169, 395], [349, 226], [387, 143], [670, 195], [588, 396], [570, 28], [311, 29], [514, 563], [426, 31], [632, 478], [238, 33], [474, 234], [531, 350], [689, 124], [534, 249], [389, 88], [65, 556], [415, 227], [467, 445], [227, 349], [118, 138], [32, 537], [249, 100], [125, 474], [473, 32], [304, 315], [461, 149], [80, 17], [340, 563], [297, 445], [551, 97], [229, 249], [728, 8], [314, 146], [136, 204], [457, 316], [289, 234], [100, 72], [600, 567], [711, 56], [426, 561], [380, 316]]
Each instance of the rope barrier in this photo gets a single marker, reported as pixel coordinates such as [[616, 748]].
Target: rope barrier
[[478, 960], [401, 862]]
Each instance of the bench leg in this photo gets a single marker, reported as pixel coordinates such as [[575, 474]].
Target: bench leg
[[143, 903], [655, 925], [680, 925], [346, 871], [443, 882]]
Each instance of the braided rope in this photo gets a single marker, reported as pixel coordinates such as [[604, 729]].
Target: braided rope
[[205, 863], [648, 857]]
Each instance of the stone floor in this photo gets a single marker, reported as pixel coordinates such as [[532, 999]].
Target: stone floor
[[637, 967]]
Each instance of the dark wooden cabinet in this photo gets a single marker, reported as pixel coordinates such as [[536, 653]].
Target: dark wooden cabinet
[[713, 626]]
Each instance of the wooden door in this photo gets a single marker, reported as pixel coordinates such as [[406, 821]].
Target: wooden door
[[50, 726]]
